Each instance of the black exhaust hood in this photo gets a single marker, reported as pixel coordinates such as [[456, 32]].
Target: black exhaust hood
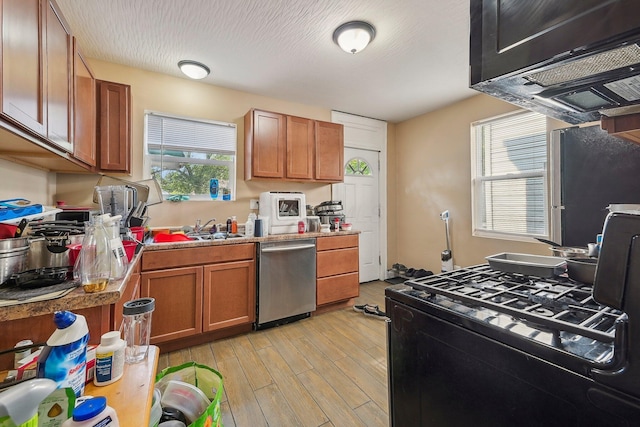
[[575, 60]]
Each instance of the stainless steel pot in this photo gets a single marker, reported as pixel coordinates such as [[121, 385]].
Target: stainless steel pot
[[582, 269], [14, 243], [12, 261], [51, 251]]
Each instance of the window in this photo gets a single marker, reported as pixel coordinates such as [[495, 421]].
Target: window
[[509, 176], [191, 159], [358, 167]]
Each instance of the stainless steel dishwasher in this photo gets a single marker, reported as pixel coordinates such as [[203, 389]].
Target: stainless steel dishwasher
[[286, 281]]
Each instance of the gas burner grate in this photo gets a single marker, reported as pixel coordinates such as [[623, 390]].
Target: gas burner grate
[[551, 304]]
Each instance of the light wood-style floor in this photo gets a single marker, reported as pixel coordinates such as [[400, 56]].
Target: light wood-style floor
[[328, 370]]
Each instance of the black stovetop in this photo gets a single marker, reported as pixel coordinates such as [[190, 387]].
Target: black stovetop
[[559, 313]]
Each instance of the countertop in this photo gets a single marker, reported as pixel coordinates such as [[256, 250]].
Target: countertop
[[78, 298], [237, 240], [75, 300], [131, 395]]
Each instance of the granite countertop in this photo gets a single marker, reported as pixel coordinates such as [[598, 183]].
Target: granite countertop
[[76, 299], [239, 240]]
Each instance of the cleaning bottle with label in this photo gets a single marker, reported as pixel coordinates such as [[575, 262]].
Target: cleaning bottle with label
[[64, 358], [109, 359], [19, 403]]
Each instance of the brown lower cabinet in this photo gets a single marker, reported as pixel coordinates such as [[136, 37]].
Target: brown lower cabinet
[[100, 319], [199, 290], [337, 266]]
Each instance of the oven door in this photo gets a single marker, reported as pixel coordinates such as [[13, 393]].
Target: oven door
[[443, 374]]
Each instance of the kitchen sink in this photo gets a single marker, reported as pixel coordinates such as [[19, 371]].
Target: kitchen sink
[[214, 236]]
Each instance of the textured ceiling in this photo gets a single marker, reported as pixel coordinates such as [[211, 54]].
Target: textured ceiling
[[283, 49]]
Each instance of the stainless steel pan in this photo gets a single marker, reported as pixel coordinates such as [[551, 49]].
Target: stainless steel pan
[[566, 251]]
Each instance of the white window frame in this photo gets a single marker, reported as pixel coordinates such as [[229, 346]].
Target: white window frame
[[147, 158], [477, 181]]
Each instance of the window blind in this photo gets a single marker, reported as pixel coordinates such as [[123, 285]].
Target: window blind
[[510, 190], [172, 133]]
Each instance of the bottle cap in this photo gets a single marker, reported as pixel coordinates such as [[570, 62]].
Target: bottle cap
[[63, 319], [89, 408], [110, 338], [138, 306]]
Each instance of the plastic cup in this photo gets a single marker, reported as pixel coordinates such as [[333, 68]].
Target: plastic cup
[[138, 233], [129, 248], [137, 328]]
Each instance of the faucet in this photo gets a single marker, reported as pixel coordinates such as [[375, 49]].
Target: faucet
[[198, 228]]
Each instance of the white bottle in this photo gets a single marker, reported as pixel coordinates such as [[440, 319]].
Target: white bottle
[[109, 359], [93, 412], [249, 227], [64, 358]]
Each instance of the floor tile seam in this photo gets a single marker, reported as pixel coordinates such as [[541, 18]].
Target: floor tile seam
[[346, 405]]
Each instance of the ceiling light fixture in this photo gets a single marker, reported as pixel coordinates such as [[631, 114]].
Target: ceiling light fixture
[[354, 36], [194, 69]]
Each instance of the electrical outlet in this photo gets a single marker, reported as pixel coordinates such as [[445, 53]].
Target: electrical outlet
[[254, 204]]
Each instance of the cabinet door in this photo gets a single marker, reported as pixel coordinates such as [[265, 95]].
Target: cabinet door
[[59, 79], [264, 144], [229, 294], [300, 148], [24, 63], [329, 152], [131, 292], [84, 137], [114, 126], [178, 295]]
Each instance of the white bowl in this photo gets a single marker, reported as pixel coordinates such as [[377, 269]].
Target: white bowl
[[187, 398]]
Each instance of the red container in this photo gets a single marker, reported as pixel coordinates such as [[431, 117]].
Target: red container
[[129, 248], [138, 233], [74, 251]]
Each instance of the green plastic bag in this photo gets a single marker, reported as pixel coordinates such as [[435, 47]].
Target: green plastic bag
[[208, 380]]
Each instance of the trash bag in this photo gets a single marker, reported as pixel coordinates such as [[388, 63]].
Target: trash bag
[[206, 379]]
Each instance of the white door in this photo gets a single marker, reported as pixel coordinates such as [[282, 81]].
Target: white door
[[361, 203]]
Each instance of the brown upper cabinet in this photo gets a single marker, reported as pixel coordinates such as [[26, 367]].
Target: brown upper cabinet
[[49, 98], [278, 146], [114, 126], [265, 144], [329, 152], [59, 79], [300, 148], [24, 64], [84, 109]]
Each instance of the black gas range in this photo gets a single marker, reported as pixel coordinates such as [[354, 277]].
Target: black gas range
[[479, 346]]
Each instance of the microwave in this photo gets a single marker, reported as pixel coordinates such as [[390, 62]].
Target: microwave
[[284, 209]]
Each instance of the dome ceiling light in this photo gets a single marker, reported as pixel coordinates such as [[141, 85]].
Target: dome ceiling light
[[194, 69], [354, 36]]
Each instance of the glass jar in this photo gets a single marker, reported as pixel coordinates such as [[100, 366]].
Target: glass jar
[[95, 260]]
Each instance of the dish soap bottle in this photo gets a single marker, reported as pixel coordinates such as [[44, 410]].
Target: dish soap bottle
[[249, 227], [234, 225]]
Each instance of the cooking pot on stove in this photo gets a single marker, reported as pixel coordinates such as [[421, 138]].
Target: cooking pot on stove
[[51, 251], [13, 256]]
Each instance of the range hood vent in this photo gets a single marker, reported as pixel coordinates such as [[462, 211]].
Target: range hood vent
[[581, 68], [575, 60]]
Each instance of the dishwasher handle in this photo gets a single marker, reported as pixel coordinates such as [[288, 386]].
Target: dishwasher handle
[[287, 248]]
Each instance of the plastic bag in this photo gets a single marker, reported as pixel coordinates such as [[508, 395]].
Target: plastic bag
[[208, 380]]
